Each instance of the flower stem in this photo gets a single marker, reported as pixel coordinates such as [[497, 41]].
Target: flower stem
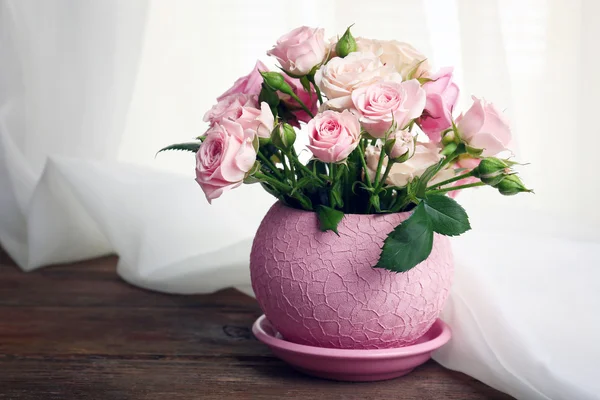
[[292, 169], [447, 181], [442, 191], [273, 182], [286, 170], [388, 168], [270, 164], [295, 97], [292, 156], [379, 165], [311, 79], [364, 165]]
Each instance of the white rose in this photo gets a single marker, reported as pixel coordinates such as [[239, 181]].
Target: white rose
[[340, 76], [402, 56], [426, 154]]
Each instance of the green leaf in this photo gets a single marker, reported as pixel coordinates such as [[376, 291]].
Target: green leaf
[[268, 95], [408, 244], [446, 215], [191, 146], [305, 83], [426, 177], [336, 195], [305, 182], [449, 149], [473, 151], [329, 218]]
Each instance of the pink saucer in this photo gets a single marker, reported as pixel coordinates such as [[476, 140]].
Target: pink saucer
[[353, 365]]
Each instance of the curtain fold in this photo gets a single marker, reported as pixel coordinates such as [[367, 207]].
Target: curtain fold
[[90, 90]]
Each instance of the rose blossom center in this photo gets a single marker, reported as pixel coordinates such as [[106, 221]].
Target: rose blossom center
[[211, 154], [384, 98], [330, 128]]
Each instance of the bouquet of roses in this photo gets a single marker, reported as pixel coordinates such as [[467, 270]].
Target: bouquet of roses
[[381, 131]]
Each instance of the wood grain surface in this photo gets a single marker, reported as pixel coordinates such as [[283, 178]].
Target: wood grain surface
[[77, 331]]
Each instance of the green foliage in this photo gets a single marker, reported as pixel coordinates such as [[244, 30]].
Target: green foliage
[[409, 243], [329, 218], [447, 216], [191, 146]]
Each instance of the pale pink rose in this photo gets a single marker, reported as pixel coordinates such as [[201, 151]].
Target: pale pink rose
[[401, 56], [249, 84], [224, 158], [333, 135], [260, 121], [442, 95], [308, 98], [425, 155], [300, 50], [466, 164], [230, 107], [383, 103], [340, 76], [405, 143], [483, 126]]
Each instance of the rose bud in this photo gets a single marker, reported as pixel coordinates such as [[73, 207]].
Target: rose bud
[[283, 136], [276, 81], [400, 146], [511, 185], [492, 170], [346, 44]]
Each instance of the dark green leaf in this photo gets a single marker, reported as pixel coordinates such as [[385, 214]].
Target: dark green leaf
[[446, 215], [408, 244], [426, 176], [329, 218], [191, 146], [303, 200], [305, 182], [336, 195]]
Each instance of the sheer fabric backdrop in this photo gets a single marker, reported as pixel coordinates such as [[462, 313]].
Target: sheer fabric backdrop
[[89, 90]]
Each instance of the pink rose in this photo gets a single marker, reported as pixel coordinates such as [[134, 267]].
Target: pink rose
[[484, 127], [249, 84], [309, 99], [401, 56], [260, 121], [230, 107], [442, 95], [333, 135], [340, 76], [404, 143], [383, 103], [300, 50], [224, 158]]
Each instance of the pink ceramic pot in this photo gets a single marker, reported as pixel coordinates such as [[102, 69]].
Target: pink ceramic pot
[[319, 289]]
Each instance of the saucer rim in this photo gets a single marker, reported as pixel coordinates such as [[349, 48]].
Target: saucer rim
[[412, 350]]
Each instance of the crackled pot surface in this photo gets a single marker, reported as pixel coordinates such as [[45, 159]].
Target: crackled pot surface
[[320, 289]]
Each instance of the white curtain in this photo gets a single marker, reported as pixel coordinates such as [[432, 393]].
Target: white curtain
[[89, 90]]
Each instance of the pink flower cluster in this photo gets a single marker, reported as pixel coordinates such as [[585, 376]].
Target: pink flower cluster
[[384, 90]]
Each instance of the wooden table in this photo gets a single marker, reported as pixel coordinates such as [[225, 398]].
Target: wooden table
[[78, 331]]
